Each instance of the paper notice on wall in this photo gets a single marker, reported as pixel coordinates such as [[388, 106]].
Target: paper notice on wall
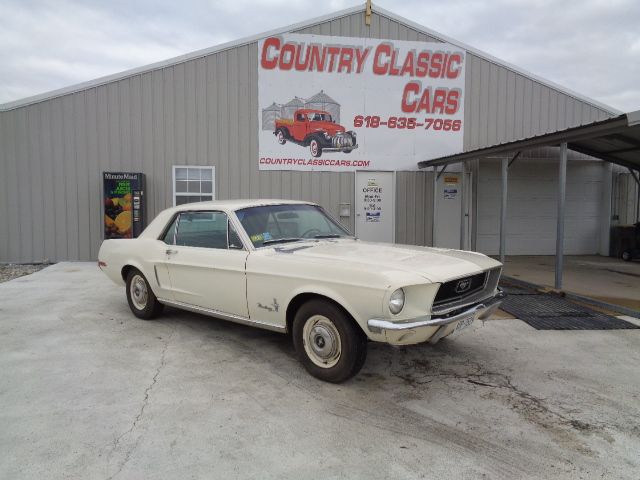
[[372, 201], [450, 193]]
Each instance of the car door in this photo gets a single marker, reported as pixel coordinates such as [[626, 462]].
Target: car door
[[300, 126], [206, 263]]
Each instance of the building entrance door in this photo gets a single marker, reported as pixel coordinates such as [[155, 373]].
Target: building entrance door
[[375, 206], [449, 212]]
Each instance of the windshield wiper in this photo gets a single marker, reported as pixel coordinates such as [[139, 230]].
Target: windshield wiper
[[328, 235], [280, 240]]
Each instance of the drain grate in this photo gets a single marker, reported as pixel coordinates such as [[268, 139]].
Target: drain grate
[[544, 311]]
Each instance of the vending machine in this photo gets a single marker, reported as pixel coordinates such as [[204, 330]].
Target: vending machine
[[123, 200]]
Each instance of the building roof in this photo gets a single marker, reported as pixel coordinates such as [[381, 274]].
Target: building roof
[[615, 140], [294, 102], [291, 28]]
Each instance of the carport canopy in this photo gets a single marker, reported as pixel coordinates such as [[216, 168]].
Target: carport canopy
[[614, 140]]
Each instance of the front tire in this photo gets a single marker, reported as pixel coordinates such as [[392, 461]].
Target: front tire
[[328, 343], [280, 136], [315, 148], [142, 301], [626, 256]]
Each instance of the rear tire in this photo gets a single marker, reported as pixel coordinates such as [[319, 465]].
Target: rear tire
[[142, 301], [328, 343]]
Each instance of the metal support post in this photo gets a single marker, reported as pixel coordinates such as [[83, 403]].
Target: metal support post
[[463, 207], [562, 184], [435, 197], [503, 209]]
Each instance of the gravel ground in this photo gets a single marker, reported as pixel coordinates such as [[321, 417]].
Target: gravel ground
[[11, 271]]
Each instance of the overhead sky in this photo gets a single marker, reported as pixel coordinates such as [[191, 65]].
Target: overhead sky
[[589, 46]]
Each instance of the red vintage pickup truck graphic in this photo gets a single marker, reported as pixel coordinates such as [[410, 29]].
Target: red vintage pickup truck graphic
[[317, 130]]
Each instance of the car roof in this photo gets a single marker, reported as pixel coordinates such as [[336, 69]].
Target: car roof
[[237, 204], [311, 110]]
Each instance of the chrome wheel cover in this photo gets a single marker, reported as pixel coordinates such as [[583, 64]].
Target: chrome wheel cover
[[314, 147], [139, 292], [321, 341], [281, 139]]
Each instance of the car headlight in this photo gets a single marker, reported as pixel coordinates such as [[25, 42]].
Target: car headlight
[[396, 302]]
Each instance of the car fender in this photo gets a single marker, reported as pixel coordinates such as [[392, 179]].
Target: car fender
[[333, 294]]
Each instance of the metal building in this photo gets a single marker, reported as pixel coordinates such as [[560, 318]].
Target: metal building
[[201, 110]]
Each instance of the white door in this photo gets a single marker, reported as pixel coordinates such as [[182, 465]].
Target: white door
[[203, 270], [375, 206], [449, 195], [532, 207]]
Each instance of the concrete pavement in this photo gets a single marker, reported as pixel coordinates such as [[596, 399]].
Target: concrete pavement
[[87, 391]]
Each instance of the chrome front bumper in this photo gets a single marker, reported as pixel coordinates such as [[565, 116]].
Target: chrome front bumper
[[432, 328]]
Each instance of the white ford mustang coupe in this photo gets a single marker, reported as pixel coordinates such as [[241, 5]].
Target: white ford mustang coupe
[[288, 266]]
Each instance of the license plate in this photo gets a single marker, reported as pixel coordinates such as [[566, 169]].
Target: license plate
[[464, 323]]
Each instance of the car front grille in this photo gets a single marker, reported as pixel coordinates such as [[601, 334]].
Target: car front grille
[[460, 288], [466, 290]]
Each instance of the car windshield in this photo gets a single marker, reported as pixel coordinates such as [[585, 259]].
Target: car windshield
[[320, 117], [273, 224]]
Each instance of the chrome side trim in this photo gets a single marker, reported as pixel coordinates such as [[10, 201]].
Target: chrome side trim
[[155, 270], [223, 316], [483, 309]]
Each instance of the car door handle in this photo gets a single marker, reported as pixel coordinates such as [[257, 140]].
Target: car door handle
[[170, 252]]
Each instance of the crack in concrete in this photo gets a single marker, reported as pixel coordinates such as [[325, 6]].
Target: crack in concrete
[[418, 373], [138, 417]]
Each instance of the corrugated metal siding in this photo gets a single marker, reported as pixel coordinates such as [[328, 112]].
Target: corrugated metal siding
[[502, 105], [414, 207], [205, 112]]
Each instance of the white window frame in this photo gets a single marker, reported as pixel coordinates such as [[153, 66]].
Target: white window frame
[[187, 194]]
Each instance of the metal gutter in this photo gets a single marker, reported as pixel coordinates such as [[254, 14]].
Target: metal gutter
[[573, 134]]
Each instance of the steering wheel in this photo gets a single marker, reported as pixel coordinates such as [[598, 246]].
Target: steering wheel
[[310, 231]]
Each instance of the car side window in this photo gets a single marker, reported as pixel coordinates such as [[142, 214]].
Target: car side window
[[168, 236], [234, 239], [202, 229]]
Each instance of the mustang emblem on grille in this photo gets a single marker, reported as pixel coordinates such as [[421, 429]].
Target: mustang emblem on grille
[[463, 285]]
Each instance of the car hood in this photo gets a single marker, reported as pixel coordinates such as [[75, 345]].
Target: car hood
[[330, 127], [433, 264]]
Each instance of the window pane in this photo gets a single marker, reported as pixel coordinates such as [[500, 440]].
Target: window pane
[[206, 187], [182, 199], [203, 229], [181, 173], [206, 198], [194, 186], [181, 186], [194, 174], [287, 223], [206, 174], [234, 239]]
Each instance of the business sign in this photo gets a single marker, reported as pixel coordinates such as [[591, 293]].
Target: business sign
[[344, 104], [123, 200]]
